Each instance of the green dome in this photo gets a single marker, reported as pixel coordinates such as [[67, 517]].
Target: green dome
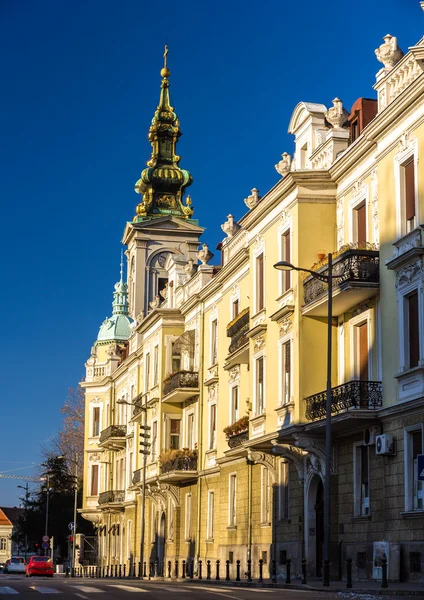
[[117, 328]]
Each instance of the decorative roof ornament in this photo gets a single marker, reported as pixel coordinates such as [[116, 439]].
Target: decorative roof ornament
[[155, 303], [163, 183], [337, 115], [284, 166], [205, 255], [118, 326], [189, 268], [252, 200], [230, 227], [389, 53]]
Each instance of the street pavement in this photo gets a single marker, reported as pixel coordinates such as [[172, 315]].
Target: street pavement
[[72, 589]]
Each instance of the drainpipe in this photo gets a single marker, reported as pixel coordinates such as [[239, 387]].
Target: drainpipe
[[200, 436], [249, 510]]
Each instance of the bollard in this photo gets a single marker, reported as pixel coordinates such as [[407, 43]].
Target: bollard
[[191, 575], [288, 568], [163, 569], [261, 566], [139, 569], [133, 570], [144, 569], [249, 570], [156, 568], [227, 570], [176, 569], [102, 571], [125, 568], [107, 571], [326, 573], [184, 570], [237, 570], [72, 572], [208, 569], [217, 571], [199, 570], [274, 571], [150, 570], [169, 569], [67, 572], [304, 571], [349, 573], [116, 570], [384, 572]]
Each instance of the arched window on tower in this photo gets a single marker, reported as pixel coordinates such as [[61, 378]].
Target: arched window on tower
[[158, 276]]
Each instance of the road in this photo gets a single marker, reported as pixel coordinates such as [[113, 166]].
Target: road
[[77, 589]]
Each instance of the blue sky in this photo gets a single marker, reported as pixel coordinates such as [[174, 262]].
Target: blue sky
[[80, 82]]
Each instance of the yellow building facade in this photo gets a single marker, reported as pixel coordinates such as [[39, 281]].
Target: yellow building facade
[[205, 428]]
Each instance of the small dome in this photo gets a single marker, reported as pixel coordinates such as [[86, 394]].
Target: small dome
[[116, 328]]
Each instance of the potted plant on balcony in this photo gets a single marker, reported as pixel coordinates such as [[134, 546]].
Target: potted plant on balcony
[[240, 426], [182, 459]]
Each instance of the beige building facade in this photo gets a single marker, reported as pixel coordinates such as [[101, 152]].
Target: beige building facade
[[223, 367]]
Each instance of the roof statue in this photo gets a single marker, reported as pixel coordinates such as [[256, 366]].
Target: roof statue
[[163, 183], [117, 328]]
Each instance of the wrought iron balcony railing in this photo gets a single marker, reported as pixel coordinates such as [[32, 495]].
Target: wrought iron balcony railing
[[356, 267], [366, 395], [113, 431], [136, 478], [112, 497], [237, 330], [236, 440], [181, 379], [181, 463]]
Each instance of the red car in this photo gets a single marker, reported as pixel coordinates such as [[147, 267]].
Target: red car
[[39, 565]]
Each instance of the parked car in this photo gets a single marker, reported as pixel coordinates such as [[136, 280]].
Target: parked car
[[16, 565], [6, 564], [39, 565]]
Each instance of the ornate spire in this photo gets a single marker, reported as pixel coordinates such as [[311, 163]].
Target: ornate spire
[[120, 295], [163, 183]]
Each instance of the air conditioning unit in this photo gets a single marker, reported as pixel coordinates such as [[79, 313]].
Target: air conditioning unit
[[370, 435], [384, 444]]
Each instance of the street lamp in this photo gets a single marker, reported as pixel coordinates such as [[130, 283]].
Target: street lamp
[[287, 266], [145, 452], [25, 509]]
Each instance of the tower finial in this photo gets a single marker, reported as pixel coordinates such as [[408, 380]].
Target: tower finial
[[165, 72], [122, 266]]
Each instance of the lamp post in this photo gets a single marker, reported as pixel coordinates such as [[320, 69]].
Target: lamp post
[[25, 512], [145, 453], [75, 511], [328, 279]]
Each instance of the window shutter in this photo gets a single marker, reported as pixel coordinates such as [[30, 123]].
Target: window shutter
[[409, 190], [361, 216], [414, 343], [363, 351]]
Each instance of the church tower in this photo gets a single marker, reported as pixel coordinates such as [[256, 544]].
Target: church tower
[[163, 222]]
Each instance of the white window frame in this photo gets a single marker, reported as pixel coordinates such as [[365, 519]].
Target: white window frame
[[411, 484], [154, 442], [156, 365], [214, 340], [232, 500], [95, 405], [259, 249], [147, 371], [358, 509], [265, 496], [400, 159], [212, 443], [354, 323], [233, 385], [282, 230], [210, 515], [190, 413], [98, 478], [187, 517], [129, 535], [354, 204], [403, 291], [283, 489], [3, 543], [167, 424], [281, 373], [256, 357]]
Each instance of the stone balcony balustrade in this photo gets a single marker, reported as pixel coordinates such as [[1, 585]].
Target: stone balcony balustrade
[[113, 437], [112, 497]]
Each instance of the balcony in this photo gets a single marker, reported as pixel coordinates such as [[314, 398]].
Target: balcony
[[178, 466], [138, 403], [238, 351], [237, 432], [113, 437], [236, 440], [354, 398], [137, 476], [180, 386], [360, 280], [112, 497]]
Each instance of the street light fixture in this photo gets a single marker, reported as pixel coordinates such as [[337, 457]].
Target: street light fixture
[[287, 266], [145, 452], [25, 510]]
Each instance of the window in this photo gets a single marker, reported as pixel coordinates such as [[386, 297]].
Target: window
[[210, 517], [234, 404], [285, 255], [265, 497], [286, 372], [212, 426], [260, 385], [3, 543], [130, 468], [187, 523], [214, 341], [283, 490], [409, 194], [413, 340], [361, 480], [122, 474], [147, 382], [232, 500], [190, 430], [176, 359], [260, 291], [153, 525], [174, 433], [304, 156], [360, 223], [96, 421], [154, 440], [362, 369], [129, 534], [236, 308], [156, 366], [413, 446], [94, 480]]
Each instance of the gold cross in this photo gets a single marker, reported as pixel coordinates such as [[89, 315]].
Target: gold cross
[[165, 54]]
